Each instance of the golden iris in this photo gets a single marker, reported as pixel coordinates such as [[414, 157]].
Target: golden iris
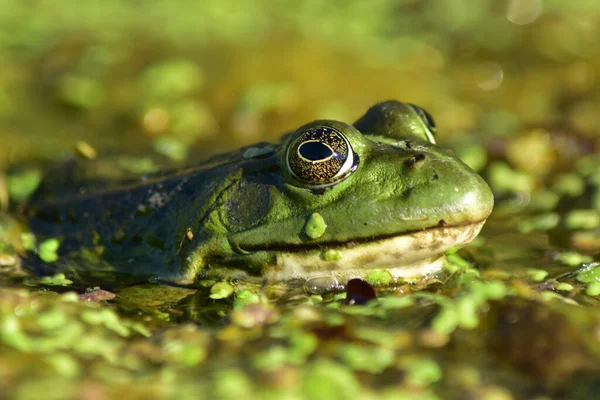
[[320, 156]]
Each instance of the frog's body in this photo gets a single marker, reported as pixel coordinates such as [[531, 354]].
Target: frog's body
[[330, 199]]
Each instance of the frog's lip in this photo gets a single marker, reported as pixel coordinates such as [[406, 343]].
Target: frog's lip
[[406, 255], [449, 230]]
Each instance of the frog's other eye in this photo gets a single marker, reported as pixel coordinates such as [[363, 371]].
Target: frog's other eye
[[320, 156], [425, 116]]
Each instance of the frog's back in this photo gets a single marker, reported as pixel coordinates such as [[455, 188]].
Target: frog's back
[[133, 222]]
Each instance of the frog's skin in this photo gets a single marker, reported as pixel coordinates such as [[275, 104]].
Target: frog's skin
[[395, 201]]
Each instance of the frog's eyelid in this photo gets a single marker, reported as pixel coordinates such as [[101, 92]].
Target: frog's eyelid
[[425, 116], [427, 120]]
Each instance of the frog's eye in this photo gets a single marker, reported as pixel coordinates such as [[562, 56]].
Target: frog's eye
[[320, 156], [426, 117]]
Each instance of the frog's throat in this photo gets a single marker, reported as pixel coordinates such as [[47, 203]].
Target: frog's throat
[[406, 256]]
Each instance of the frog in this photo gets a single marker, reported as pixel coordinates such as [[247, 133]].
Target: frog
[[330, 200]]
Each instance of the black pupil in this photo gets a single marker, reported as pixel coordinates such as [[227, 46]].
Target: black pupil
[[314, 151]]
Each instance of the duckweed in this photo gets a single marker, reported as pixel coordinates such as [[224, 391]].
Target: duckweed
[[593, 288], [564, 287], [537, 275], [359, 357], [315, 226], [328, 380], [170, 147], [81, 91], [539, 223], [582, 219], [573, 259], [58, 279], [64, 365], [172, 79], [379, 277], [332, 255], [422, 372], [244, 297], [48, 250], [221, 290], [21, 185], [231, 384], [271, 359]]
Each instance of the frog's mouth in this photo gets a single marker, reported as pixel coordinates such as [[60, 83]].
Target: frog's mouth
[[405, 256]]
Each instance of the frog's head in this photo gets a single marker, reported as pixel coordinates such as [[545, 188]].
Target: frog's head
[[375, 194]]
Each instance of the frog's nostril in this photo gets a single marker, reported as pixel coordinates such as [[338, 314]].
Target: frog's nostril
[[417, 158]]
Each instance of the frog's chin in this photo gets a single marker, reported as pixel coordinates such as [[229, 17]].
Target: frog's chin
[[408, 256]]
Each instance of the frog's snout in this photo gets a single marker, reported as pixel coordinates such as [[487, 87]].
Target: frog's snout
[[470, 195], [449, 190]]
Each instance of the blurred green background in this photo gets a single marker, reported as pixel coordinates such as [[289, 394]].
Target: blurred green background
[[209, 75]]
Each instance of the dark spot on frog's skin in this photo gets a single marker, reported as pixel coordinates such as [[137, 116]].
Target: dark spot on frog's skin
[[118, 236], [319, 191], [407, 192], [442, 223], [414, 160], [368, 258], [189, 234], [436, 176], [408, 144]]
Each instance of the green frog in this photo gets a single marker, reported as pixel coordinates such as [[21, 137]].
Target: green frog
[[330, 200]]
